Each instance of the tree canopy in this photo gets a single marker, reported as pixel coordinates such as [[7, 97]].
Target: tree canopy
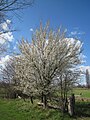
[[48, 58]]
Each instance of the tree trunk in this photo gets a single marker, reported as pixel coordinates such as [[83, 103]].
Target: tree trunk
[[66, 105], [32, 99], [45, 101], [42, 98]]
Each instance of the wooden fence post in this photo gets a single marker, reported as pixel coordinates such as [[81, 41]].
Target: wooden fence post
[[71, 105]]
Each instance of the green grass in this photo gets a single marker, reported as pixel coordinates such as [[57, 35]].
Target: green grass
[[83, 109], [85, 92], [20, 110]]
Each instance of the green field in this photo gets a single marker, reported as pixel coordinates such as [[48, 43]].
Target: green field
[[83, 91], [20, 110], [11, 109]]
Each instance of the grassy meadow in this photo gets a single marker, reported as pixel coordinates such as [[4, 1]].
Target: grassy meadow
[[83, 92], [18, 109]]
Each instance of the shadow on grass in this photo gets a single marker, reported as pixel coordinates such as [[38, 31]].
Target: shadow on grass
[[82, 109]]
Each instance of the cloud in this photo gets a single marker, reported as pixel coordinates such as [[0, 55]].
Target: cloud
[[5, 34], [4, 60], [15, 47], [8, 21], [6, 37], [78, 44], [71, 41], [83, 68], [31, 29], [5, 25], [81, 33], [75, 33]]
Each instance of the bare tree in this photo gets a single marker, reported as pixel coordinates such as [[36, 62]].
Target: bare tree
[[11, 6], [65, 82], [8, 73]]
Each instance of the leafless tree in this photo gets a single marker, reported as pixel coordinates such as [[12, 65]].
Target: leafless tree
[[8, 73], [65, 82], [11, 6]]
